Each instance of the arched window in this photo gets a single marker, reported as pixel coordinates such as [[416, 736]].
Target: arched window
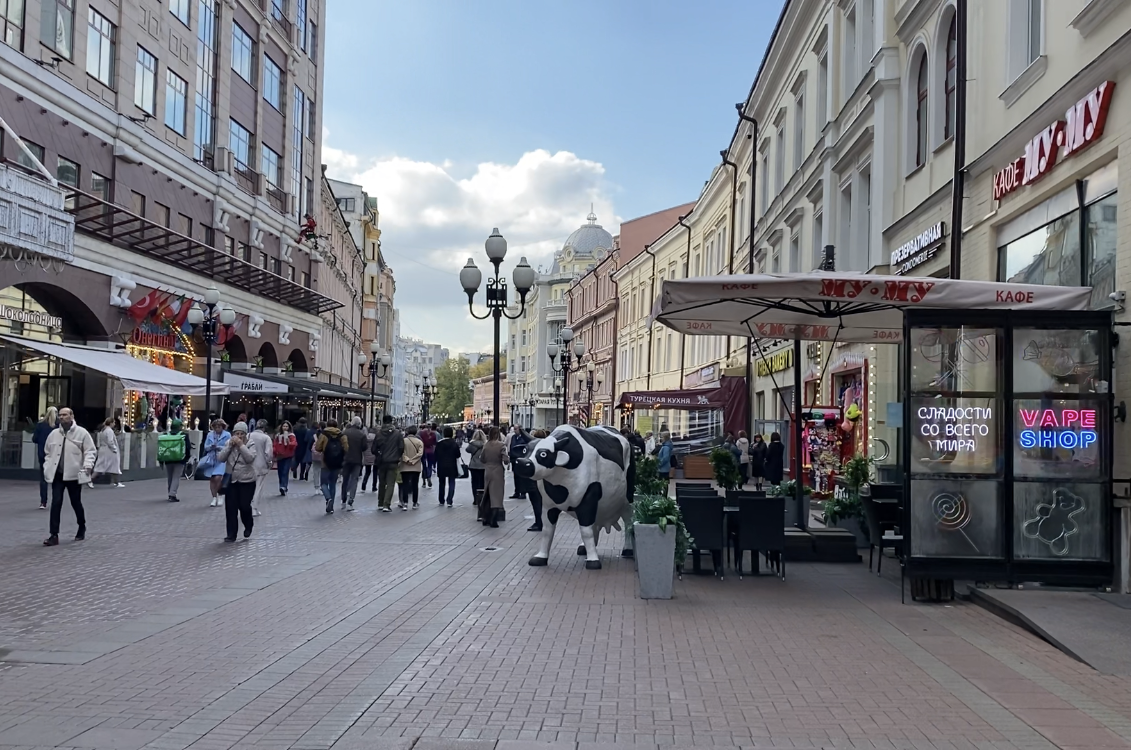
[[921, 113], [951, 76]]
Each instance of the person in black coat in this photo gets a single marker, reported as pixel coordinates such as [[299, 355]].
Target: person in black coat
[[775, 460], [447, 465], [300, 469]]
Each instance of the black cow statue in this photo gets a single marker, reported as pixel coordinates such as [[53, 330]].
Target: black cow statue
[[583, 472]]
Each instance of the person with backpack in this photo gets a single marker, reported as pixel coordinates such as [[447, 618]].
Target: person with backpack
[[173, 451], [355, 457], [389, 449], [315, 457], [332, 445]]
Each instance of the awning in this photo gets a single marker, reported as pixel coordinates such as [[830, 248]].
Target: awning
[[730, 396], [823, 306], [135, 374], [243, 382]]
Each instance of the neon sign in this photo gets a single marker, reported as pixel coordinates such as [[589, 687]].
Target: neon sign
[[1057, 428], [954, 429]]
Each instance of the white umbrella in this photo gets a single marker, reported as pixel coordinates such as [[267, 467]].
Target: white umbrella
[[823, 306]]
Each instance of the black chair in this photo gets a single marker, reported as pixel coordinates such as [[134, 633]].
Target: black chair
[[733, 496], [682, 488], [703, 517], [881, 517], [760, 528]]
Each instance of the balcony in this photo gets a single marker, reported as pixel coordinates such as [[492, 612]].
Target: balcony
[[276, 10], [118, 226], [276, 198], [33, 222], [247, 179]]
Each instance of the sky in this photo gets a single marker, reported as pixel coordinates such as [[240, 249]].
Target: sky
[[464, 115]]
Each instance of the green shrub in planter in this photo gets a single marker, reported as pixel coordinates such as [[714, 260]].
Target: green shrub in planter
[[663, 511], [727, 474], [648, 479]]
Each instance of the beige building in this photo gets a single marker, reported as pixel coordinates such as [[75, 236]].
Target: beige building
[[483, 399]]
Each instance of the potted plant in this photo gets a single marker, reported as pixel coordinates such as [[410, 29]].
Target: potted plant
[[727, 474], [648, 480], [845, 509], [788, 490], [661, 542]]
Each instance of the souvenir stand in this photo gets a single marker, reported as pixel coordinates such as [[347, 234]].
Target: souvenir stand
[[825, 446], [1006, 449]]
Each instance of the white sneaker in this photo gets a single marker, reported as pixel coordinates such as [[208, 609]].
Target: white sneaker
[[213, 504], [220, 502], [119, 484], [255, 513], [90, 485]]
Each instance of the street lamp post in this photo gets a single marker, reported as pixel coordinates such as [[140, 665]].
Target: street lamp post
[[379, 360], [558, 395], [589, 368], [559, 362], [427, 393], [210, 322], [470, 277], [531, 402]]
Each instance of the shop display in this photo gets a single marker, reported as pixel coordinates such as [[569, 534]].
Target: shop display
[[824, 447]]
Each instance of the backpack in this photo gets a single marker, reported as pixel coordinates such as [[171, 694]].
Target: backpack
[[170, 448], [333, 455]]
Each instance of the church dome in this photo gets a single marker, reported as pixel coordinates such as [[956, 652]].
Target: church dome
[[588, 239]]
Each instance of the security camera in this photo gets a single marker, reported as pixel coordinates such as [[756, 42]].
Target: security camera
[[1119, 297]]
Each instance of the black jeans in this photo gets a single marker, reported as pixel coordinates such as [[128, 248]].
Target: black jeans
[[451, 480], [42, 485], [536, 504], [410, 485], [237, 507], [365, 478], [74, 492]]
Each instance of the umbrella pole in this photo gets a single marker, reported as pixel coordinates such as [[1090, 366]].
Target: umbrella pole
[[799, 481]]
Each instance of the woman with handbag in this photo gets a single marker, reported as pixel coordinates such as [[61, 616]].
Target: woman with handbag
[[238, 458], [494, 457], [412, 461], [211, 464], [109, 459], [476, 467]]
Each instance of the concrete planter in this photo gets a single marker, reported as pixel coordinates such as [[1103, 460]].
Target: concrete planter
[[655, 560], [856, 526]]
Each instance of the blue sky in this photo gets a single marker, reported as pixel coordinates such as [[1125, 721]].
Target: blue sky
[[461, 115]]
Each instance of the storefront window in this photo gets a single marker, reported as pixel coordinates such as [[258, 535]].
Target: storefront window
[[1050, 255]]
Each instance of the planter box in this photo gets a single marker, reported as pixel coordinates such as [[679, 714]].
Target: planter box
[[697, 467], [856, 526], [655, 560], [240, 366]]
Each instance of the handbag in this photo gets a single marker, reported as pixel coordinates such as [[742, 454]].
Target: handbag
[[464, 472], [224, 484]]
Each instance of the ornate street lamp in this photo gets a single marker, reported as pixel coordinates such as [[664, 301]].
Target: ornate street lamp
[[210, 322], [382, 361], [470, 277], [558, 396], [531, 402], [559, 361], [427, 393]]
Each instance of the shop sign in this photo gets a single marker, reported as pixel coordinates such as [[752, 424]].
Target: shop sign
[[709, 374], [253, 385], [154, 340], [1057, 428], [918, 250], [782, 360], [954, 429], [1083, 124], [31, 317]]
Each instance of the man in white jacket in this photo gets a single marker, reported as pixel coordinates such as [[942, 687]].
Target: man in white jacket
[[69, 459], [264, 456]]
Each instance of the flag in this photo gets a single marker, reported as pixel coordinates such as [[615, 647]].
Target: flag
[[158, 311], [225, 333], [144, 306], [169, 309], [181, 321]]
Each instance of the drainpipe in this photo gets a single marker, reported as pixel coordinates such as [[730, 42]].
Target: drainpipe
[[733, 189], [651, 328], [686, 271], [752, 136], [616, 337], [959, 180]]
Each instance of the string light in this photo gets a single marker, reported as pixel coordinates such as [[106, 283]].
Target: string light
[[870, 425]]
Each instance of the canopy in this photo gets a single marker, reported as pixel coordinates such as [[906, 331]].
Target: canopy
[[824, 306], [135, 374], [730, 396]]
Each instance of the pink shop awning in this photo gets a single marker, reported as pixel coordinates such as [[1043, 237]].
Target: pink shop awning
[[851, 307]]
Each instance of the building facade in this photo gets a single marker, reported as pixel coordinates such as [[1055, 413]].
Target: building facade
[[413, 361], [483, 398], [186, 143], [343, 270]]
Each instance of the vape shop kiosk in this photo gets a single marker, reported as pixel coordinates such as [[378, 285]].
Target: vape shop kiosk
[[1006, 443]]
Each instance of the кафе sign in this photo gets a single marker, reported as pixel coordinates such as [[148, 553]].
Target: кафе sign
[[1083, 125]]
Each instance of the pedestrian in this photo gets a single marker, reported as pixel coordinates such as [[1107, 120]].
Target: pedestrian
[[649, 443], [429, 438], [494, 455], [238, 457], [355, 455], [109, 460], [284, 448], [775, 460], [412, 460], [388, 449], [368, 459], [264, 447], [332, 446], [758, 460], [173, 451], [315, 474], [516, 447], [300, 469], [475, 465], [69, 456], [732, 448], [211, 464], [743, 444], [448, 456], [43, 430], [536, 496], [665, 458]]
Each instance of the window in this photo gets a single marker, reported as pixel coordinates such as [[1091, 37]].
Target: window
[[184, 225], [765, 169], [278, 9], [276, 266], [180, 10], [145, 80], [243, 251], [137, 203], [1033, 38], [25, 161], [272, 165], [846, 216], [176, 101], [100, 187], [951, 83], [291, 273], [822, 91], [849, 62], [263, 261], [67, 172], [12, 23], [779, 156], [57, 26], [207, 43], [272, 83], [240, 144], [311, 116], [921, 88], [795, 251], [775, 259], [162, 216], [347, 204], [100, 48], [243, 54], [313, 41], [798, 130], [300, 23]]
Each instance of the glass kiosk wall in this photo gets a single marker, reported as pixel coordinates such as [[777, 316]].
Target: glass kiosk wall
[[1008, 446]]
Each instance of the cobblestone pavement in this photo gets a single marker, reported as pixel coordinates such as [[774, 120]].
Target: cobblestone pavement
[[366, 630]]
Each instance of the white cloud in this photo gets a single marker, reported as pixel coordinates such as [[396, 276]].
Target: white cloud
[[431, 222]]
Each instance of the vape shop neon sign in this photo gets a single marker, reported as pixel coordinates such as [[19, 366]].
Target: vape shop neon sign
[[1057, 428]]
